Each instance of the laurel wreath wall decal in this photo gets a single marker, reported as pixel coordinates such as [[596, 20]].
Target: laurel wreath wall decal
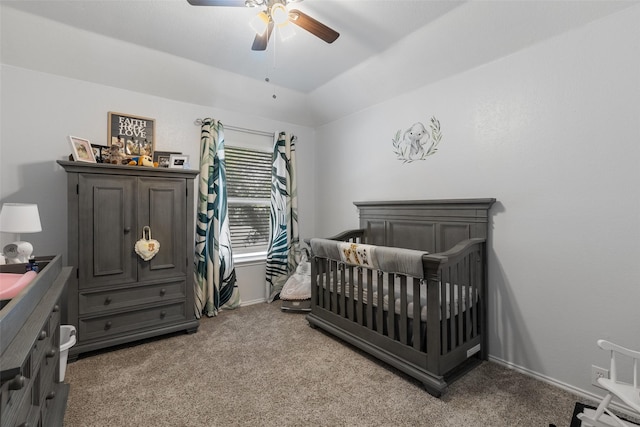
[[410, 145]]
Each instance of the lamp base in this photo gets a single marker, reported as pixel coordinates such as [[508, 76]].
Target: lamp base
[[18, 252]]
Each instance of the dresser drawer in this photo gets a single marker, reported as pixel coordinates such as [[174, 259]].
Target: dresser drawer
[[48, 378], [15, 400], [46, 343], [54, 324], [95, 302], [145, 318]]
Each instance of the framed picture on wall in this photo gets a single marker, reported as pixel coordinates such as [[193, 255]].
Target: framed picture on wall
[[81, 150], [178, 161], [163, 158], [134, 135]]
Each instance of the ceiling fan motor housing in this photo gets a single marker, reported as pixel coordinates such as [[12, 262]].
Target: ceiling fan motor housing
[[276, 12]]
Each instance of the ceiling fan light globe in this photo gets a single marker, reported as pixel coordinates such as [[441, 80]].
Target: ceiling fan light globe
[[259, 23], [286, 31], [279, 14]]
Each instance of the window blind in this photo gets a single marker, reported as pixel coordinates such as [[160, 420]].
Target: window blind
[[248, 198]]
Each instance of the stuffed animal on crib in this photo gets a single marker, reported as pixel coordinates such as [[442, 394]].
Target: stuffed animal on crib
[[413, 138]]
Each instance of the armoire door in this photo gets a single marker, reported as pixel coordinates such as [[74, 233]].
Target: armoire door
[[106, 230], [162, 207]]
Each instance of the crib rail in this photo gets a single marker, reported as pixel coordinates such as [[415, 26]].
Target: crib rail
[[387, 310], [463, 265], [353, 236]]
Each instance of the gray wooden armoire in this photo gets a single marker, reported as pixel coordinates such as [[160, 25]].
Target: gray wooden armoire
[[114, 296]]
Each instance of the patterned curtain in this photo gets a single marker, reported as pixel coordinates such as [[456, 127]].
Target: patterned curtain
[[283, 251], [215, 276]]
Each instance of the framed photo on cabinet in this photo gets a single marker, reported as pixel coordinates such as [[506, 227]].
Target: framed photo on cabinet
[[98, 152], [178, 161], [163, 158], [81, 149], [134, 135]]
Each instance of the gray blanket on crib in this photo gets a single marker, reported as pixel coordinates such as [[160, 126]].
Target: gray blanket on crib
[[384, 258]]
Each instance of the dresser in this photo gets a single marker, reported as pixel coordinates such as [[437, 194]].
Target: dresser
[[31, 393], [115, 296]]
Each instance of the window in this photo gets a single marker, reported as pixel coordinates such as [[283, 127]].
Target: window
[[248, 168]]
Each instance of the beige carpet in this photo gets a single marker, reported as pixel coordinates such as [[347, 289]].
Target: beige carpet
[[258, 366]]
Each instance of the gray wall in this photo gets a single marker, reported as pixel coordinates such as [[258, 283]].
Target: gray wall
[[552, 133]]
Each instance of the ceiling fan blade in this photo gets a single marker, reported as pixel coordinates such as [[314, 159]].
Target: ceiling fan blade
[[314, 26], [232, 3], [261, 40]]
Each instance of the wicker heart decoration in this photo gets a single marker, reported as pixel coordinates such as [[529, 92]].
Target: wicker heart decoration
[[147, 247]]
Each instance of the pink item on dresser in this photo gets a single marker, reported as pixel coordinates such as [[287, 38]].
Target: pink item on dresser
[[11, 283]]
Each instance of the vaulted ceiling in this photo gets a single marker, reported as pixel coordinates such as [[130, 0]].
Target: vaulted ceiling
[[411, 42]]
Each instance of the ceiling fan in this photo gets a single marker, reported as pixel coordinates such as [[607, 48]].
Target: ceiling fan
[[275, 13]]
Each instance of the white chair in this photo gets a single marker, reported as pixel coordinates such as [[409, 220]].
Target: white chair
[[628, 393]]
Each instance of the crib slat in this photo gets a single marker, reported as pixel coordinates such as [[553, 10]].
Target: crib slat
[[477, 302], [350, 304], [334, 288], [327, 293], [444, 337], [468, 297], [416, 315], [370, 298], [460, 314], [380, 309], [315, 272], [322, 267], [391, 312], [452, 308], [359, 308], [339, 288], [403, 308]]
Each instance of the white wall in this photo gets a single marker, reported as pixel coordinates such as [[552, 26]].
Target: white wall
[[552, 133], [39, 111]]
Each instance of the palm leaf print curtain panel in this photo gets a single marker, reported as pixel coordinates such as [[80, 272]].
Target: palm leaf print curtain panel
[[284, 239], [215, 277]]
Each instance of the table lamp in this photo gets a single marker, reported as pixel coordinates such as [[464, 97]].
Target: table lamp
[[19, 218]]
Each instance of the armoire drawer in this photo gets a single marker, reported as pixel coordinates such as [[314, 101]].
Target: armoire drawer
[[120, 323], [114, 299]]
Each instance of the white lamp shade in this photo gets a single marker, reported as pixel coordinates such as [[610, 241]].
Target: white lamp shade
[[20, 218]]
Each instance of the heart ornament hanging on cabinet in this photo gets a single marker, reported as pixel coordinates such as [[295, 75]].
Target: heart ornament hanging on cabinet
[[147, 247]]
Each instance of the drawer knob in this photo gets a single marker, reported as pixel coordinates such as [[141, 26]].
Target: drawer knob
[[163, 314], [127, 229], [163, 291], [56, 308], [51, 395], [42, 335], [107, 301], [51, 352], [17, 382], [107, 326], [24, 424]]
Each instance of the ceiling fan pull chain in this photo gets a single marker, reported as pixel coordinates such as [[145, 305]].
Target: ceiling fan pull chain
[[273, 69]]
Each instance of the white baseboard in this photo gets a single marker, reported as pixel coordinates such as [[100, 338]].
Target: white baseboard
[[252, 302], [594, 398]]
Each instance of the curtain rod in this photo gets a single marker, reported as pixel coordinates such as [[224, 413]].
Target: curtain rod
[[198, 122]]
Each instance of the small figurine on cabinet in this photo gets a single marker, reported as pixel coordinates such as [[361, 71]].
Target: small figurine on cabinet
[[142, 161], [115, 156]]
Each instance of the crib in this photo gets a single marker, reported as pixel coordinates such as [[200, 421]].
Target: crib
[[409, 286]]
